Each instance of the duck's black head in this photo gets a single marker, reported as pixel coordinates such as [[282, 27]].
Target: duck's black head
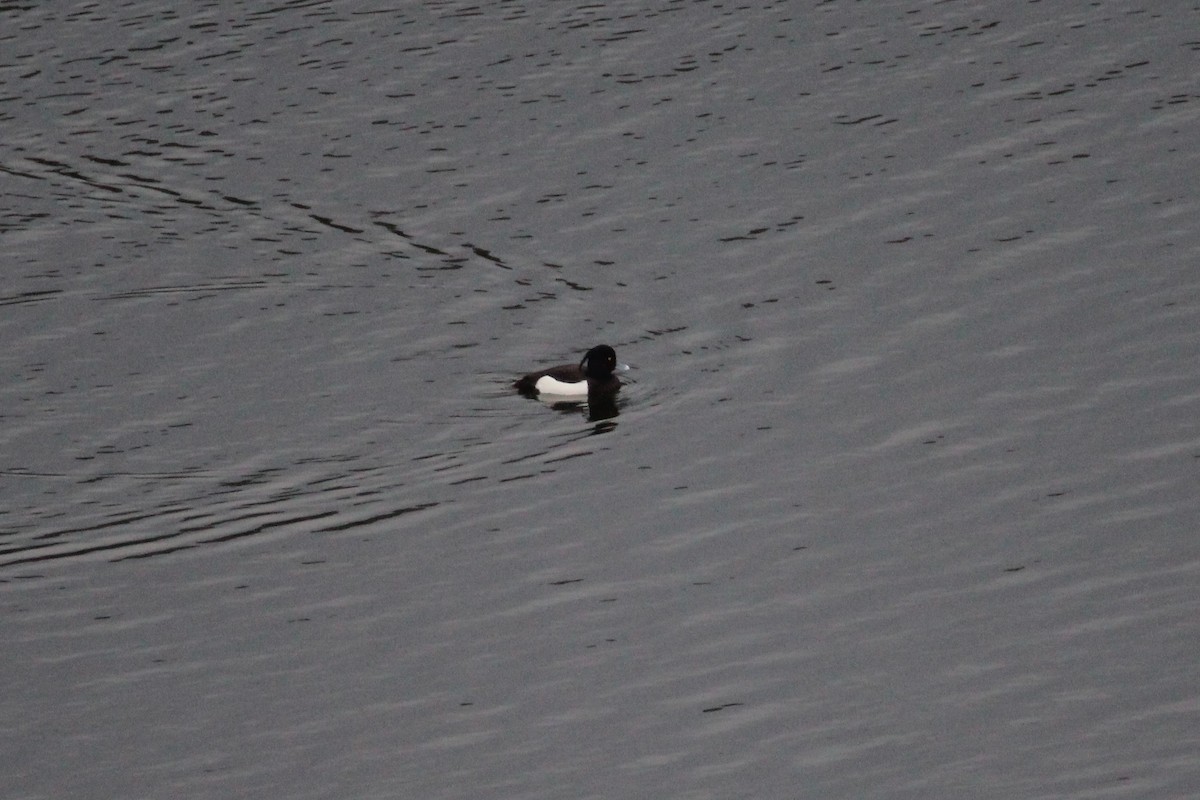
[[599, 362]]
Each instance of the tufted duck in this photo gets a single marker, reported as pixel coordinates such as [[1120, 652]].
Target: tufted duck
[[591, 377]]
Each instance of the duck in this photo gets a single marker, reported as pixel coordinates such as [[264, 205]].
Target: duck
[[593, 377]]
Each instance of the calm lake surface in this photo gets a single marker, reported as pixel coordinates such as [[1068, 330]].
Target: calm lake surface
[[903, 494]]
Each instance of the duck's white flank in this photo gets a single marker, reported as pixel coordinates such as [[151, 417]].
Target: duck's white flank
[[548, 385]]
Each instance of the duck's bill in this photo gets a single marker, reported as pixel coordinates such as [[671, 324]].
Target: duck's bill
[[621, 368]]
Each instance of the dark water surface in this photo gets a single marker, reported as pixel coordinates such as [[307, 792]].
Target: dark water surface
[[901, 500]]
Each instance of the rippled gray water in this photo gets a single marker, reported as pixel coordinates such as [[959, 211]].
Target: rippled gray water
[[901, 501]]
